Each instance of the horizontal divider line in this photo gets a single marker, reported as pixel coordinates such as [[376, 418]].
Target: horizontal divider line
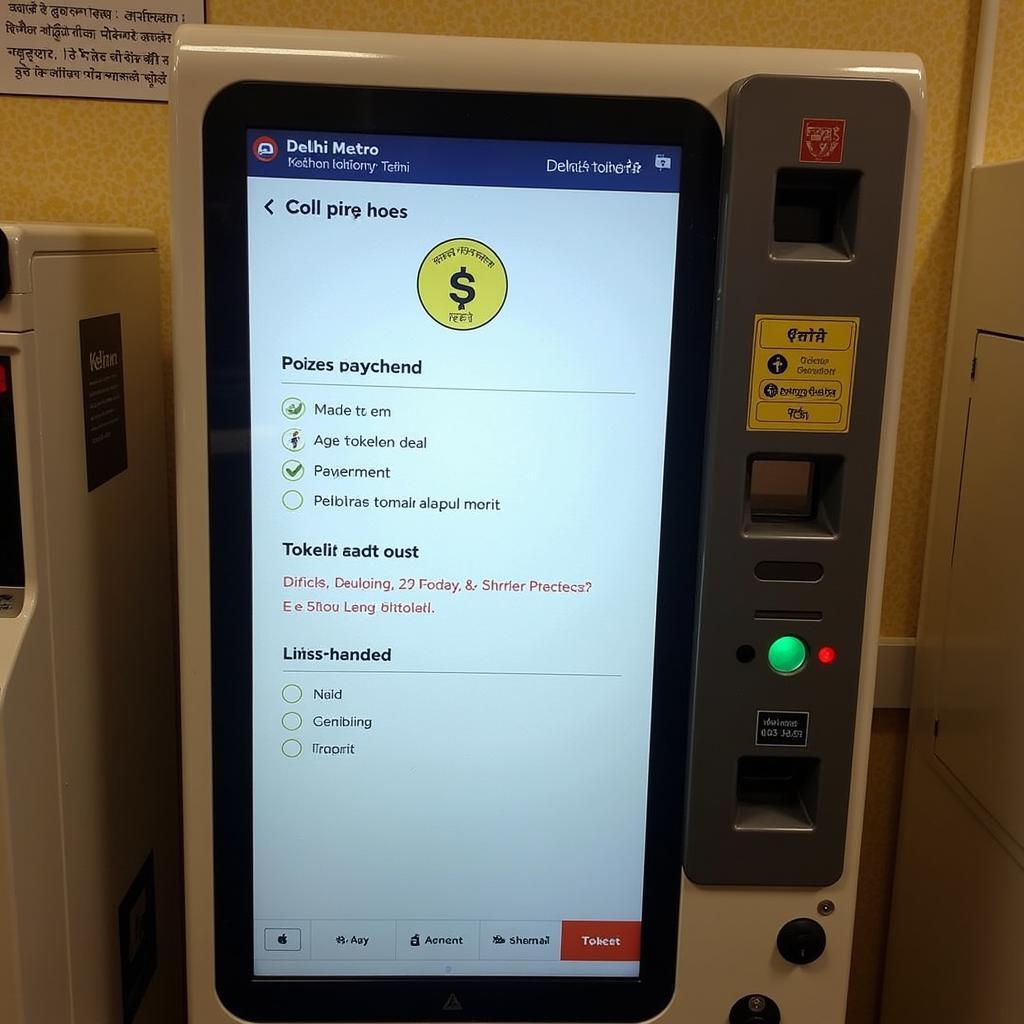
[[431, 387], [442, 672]]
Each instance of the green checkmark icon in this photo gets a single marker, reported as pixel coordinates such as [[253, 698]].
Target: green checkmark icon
[[292, 470]]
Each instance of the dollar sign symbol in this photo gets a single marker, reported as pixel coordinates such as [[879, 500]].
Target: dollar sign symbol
[[462, 280]]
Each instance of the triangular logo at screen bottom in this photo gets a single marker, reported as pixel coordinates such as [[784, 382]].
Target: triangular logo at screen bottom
[[452, 1003]]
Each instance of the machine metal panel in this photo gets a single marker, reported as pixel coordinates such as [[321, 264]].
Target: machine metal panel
[[762, 136]]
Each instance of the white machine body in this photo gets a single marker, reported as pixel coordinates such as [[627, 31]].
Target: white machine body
[[726, 933], [88, 752]]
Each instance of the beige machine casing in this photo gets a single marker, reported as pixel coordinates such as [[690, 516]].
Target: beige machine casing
[[88, 751], [727, 936], [958, 900]]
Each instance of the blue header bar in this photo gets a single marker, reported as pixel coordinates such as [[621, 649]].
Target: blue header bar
[[421, 160]]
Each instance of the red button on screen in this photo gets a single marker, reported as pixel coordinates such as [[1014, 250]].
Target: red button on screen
[[600, 940]]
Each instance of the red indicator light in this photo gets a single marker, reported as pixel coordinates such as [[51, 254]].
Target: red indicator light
[[826, 655], [3, 379]]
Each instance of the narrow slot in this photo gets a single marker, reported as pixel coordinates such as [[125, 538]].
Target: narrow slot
[[789, 572], [777, 794], [782, 616]]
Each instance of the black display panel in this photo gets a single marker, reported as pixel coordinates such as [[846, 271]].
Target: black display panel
[[456, 358], [12, 555]]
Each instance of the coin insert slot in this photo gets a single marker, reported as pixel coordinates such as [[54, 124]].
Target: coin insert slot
[[789, 572], [777, 794], [782, 615], [815, 213]]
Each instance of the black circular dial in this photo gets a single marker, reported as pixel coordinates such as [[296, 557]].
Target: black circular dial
[[801, 941]]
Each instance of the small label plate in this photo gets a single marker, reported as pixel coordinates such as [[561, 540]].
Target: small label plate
[[106, 444], [782, 728], [822, 140]]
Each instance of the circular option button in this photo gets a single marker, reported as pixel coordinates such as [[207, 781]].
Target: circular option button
[[787, 655]]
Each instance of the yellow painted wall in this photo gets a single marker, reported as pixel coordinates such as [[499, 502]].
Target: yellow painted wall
[[1005, 140], [85, 160]]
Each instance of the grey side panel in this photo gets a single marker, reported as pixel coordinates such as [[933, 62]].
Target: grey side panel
[[775, 835]]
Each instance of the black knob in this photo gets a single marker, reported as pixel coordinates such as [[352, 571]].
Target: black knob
[[801, 941], [755, 1009]]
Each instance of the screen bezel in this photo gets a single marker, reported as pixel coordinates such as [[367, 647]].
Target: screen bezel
[[513, 116]]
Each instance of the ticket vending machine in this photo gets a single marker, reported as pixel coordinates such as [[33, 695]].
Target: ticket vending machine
[[536, 408], [90, 835]]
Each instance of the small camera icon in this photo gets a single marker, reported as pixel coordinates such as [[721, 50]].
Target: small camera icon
[[662, 162]]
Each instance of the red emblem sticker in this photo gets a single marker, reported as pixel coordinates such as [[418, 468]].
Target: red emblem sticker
[[821, 140]]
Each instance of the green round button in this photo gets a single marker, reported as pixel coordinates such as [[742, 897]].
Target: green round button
[[787, 654]]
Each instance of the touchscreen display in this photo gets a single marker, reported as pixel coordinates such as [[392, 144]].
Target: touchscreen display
[[459, 365]]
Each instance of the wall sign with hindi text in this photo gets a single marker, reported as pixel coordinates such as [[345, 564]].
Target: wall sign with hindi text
[[65, 49]]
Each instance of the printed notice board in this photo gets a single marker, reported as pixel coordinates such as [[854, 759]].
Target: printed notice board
[[103, 51], [801, 373]]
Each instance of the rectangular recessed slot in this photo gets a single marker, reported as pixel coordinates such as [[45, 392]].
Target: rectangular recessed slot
[[793, 496], [815, 215], [789, 572], [777, 794], [781, 488], [782, 615]]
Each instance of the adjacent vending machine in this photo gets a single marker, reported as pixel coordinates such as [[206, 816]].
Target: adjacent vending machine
[[536, 409], [957, 919], [90, 835]]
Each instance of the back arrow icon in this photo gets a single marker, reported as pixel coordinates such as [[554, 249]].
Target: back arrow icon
[[267, 206]]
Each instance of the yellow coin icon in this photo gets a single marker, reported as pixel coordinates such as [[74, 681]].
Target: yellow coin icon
[[462, 284]]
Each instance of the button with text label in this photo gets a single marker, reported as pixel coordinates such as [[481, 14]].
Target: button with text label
[[519, 940], [600, 940], [438, 940], [798, 412], [353, 940]]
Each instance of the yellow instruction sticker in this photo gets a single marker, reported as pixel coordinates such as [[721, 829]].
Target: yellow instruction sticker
[[801, 373]]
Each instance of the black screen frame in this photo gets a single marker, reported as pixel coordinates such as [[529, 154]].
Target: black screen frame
[[515, 116], [12, 549]]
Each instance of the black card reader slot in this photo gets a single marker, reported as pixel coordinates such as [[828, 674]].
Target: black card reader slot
[[12, 558]]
